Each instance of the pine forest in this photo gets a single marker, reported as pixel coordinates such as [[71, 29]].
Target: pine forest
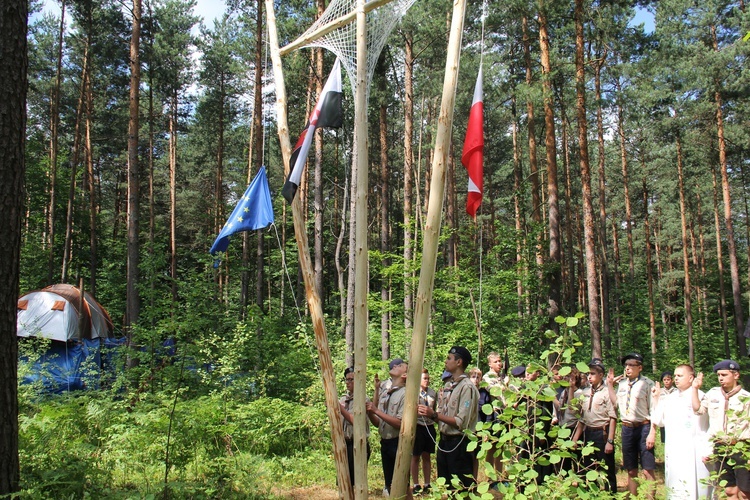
[[615, 215]]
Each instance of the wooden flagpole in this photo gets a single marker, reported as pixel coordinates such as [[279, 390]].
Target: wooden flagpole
[[313, 300], [361, 283], [429, 253]]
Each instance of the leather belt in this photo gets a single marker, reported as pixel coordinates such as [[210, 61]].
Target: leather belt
[[603, 428], [636, 424]]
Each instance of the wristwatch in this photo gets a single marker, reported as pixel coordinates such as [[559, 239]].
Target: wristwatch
[[610, 441]]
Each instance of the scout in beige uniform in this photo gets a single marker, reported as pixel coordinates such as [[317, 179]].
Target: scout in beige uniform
[[456, 414], [389, 410], [634, 404], [597, 422], [728, 409], [346, 403]]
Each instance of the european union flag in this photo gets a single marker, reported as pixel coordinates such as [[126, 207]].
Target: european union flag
[[254, 211]]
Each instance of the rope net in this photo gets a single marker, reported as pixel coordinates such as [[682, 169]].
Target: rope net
[[343, 40]]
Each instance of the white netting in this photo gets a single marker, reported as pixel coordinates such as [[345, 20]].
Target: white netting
[[343, 40]]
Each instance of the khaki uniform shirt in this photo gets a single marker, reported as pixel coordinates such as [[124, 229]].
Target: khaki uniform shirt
[[348, 402], [730, 426], [634, 400], [460, 399], [391, 403], [596, 407], [427, 398]]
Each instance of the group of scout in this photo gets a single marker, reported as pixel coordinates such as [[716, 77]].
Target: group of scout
[[696, 425], [454, 410]]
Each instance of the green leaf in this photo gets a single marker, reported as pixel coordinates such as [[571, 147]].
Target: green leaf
[[560, 320], [483, 488], [592, 475], [555, 459], [746, 38], [564, 371], [582, 367], [571, 322], [564, 433]]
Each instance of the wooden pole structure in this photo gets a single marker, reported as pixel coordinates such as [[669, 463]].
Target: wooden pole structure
[[331, 26], [429, 254], [361, 268], [313, 300]]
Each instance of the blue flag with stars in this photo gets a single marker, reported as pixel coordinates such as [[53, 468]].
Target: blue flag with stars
[[254, 211]]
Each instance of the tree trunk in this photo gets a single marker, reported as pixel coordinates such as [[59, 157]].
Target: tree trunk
[[739, 322], [133, 301], [518, 212], [385, 347], [685, 258], [649, 271], [54, 123], [318, 175], [603, 245], [588, 209], [13, 88], [720, 266], [91, 185], [408, 176], [536, 204], [554, 273], [173, 193], [68, 243]]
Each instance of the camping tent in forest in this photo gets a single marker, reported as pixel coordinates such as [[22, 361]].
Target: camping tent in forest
[[73, 360], [57, 312]]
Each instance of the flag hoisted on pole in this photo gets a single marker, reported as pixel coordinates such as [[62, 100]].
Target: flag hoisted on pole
[[327, 113], [473, 153], [254, 211]]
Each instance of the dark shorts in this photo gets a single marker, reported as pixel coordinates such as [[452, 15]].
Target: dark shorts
[[388, 449], [424, 440], [453, 459], [736, 474], [634, 448]]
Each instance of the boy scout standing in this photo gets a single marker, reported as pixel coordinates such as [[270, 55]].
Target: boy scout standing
[[389, 410], [597, 423], [456, 414], [634, 404], [728, 407]]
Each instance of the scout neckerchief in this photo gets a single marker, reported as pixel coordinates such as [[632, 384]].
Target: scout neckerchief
[[727, 396], [630, 389], [448, 390]]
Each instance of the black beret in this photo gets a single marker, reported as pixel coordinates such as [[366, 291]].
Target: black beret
[[518, 371], [727, 364], [462, 353], [395, 362], [634, 356], [597, 363], [666, 374]]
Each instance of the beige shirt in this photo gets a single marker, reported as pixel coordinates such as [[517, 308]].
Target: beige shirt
[[634, 399], [348, 402], [460, 400], [391, 403], [596, 407], [732, 425]]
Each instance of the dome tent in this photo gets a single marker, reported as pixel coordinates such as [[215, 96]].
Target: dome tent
[[55, 313]]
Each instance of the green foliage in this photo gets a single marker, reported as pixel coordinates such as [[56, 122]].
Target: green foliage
[[95, 445]]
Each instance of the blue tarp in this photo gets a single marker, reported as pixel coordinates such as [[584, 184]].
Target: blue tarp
[[72, 366]]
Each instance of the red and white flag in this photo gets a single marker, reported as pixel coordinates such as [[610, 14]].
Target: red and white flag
[[473, 154], [327, 113]]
